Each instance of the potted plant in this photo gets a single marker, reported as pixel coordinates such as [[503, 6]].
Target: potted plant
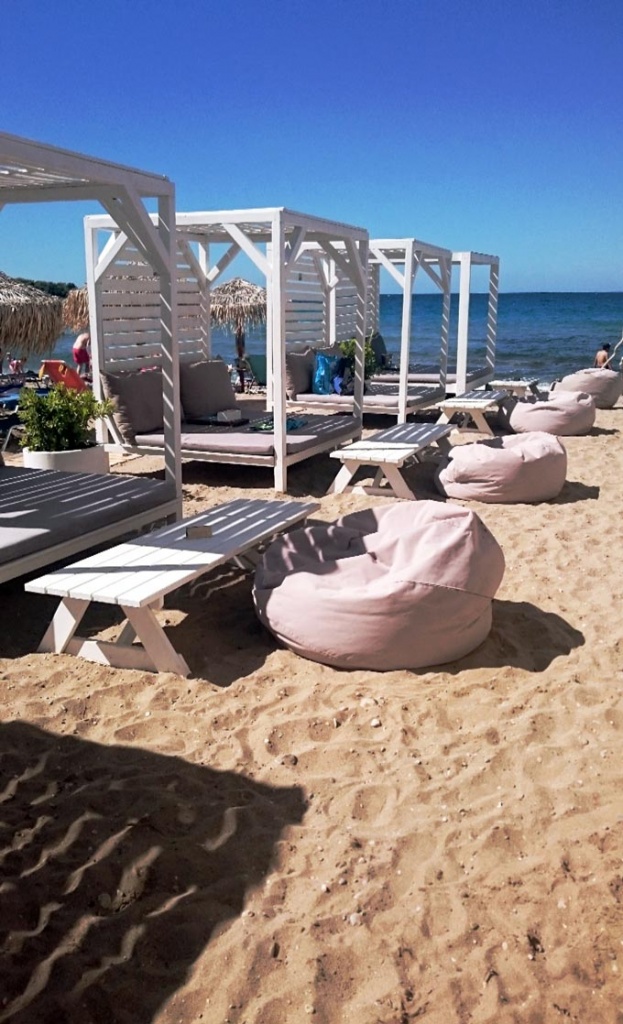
[[349, 349], [58, 429]]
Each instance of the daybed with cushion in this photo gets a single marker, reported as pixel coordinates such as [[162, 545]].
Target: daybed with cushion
[[206, 391], [399, 587], [302, 387], [47, 516], [604, 386], [564, 413], [516, 468]]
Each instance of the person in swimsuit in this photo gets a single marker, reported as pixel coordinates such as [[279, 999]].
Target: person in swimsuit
[[81, 354], [602, 358]]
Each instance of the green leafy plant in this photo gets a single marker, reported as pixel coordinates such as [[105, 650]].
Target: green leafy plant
[[60, 421], [348, 349]]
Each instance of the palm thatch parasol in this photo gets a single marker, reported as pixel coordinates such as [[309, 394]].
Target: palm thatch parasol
[[234, 305], [76, 309], [30, 320]]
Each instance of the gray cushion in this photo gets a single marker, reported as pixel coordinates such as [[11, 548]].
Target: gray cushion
[[299, 372], [138, 401], [205, 388], [40, 508]]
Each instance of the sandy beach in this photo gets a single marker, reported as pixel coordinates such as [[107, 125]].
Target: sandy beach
[[246, 847]]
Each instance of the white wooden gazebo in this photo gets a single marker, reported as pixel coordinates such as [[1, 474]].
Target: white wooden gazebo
[[403, 259], [31, 172], [466, 376], [125, 333]]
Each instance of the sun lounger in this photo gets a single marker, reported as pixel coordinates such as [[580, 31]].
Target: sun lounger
[[473, 404], [47, 516], [137, 575], [391, 450]]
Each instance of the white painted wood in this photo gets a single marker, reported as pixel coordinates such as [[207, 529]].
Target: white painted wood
[[156, 643], [291, 277], [518, 387], [390, 450], [473, 404], [136, 576], [68, 617]]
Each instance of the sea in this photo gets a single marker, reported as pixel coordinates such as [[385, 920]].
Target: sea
[[539, 334]]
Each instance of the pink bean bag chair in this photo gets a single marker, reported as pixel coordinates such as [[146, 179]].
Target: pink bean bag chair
[[517, 468], [604, 386], [399, 587], [566, 413]]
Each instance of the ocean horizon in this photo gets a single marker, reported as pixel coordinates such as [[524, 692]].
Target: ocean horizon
[[539, 334]]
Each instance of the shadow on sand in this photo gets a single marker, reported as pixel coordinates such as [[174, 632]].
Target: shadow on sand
[[522, 636], [117, 865]]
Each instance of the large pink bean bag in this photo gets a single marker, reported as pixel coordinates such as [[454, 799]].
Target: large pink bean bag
[[566, 413], [403, 586], [516, 468], [604, 386]]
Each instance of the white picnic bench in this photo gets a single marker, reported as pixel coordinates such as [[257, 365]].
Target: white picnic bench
[[137, 575], [518, 387], [391, 450], [473, 404]]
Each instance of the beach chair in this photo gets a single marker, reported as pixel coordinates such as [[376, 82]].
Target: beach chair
[[256, 373]]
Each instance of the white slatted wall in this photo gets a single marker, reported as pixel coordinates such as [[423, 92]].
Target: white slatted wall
[[129, 313], [373, 299], [306, 304], [345, 307]]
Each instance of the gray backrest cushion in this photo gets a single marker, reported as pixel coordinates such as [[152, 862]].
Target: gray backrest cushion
[[138, 401], [206, 388], [299, 372]]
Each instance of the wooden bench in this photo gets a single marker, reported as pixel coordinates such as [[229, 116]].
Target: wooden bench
[[473, 404], [518, 387], [137, 575], [391, 450]]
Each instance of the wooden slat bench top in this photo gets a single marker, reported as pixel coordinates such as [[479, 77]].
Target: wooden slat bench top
[[394, 445], [513, 382], [476, 399], [389, 449], [138, 572]]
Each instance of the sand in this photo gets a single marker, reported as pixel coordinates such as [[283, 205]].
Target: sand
[[244, 846]]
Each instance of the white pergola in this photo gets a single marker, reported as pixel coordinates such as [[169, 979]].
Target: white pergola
[[465, 261], [404, 258], [31, 172], [277, 241]]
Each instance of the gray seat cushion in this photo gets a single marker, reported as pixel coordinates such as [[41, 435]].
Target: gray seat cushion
[[41, 508]]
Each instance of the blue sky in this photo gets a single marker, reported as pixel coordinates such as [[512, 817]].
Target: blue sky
[[493, 126]]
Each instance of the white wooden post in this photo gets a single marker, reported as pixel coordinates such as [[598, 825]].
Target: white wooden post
[[170, 350], [492, 313], [405, 333], [462, 344], [277, 343], [445, 269]]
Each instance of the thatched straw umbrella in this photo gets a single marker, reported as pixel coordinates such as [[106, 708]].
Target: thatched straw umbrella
[[30, 320], [76, 309], [234, 305]]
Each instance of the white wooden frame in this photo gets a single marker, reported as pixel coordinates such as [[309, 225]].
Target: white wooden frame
[[403, 258], [465, 261], [272, 238], [31, 172]]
